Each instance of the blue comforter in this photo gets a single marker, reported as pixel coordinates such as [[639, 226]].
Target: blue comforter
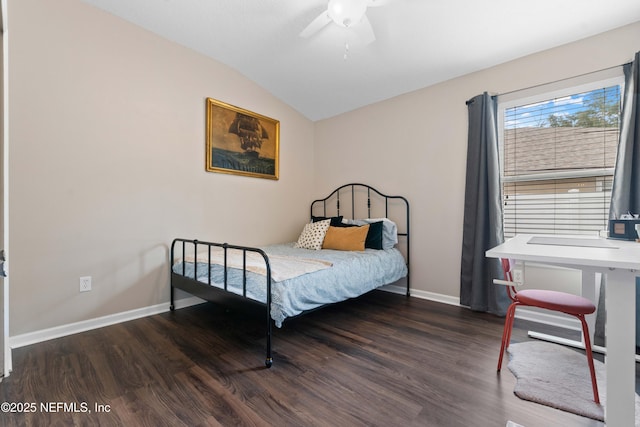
[[352, 274]]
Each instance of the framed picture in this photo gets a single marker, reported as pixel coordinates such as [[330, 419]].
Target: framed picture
[[241, 142]]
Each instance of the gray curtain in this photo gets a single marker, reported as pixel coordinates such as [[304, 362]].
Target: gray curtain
[[625, 193], [482, 227]]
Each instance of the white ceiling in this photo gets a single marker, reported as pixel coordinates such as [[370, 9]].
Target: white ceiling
[[419, 42]]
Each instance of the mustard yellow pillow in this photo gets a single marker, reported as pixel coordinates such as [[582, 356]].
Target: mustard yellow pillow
[[346, 238]]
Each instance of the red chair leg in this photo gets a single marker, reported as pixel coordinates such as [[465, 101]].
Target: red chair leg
[[588, 351], [512, 319], [506, 332]]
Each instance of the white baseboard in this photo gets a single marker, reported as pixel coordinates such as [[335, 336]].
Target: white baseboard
[[432, 296], [99, 322]]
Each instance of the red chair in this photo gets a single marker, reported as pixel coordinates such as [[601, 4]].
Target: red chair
[[551, 300]]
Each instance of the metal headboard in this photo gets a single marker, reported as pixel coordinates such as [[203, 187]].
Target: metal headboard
[[331, 204]]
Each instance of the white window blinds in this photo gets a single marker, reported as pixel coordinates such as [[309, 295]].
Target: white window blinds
[[558, 156]]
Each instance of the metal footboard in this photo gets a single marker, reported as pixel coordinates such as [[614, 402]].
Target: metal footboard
[[181, 248]]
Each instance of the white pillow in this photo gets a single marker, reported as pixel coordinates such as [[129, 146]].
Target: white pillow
[[312, 235], [389, 229]]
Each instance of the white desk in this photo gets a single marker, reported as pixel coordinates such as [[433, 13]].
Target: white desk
[[621, 264]]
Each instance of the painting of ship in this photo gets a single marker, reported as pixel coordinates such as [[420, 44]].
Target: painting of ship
[[250, 132], [241, 142]]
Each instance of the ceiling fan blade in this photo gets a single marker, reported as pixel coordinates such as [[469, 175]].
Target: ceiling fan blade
[[365, 31], [316, 25]]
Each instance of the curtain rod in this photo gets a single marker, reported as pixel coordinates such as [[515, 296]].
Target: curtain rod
[[470, 101], [566, 78]]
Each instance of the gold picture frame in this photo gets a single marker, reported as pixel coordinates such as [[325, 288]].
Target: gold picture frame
[[241, 142]]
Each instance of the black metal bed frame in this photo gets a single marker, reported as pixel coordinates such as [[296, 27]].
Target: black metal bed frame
[[213, 293]]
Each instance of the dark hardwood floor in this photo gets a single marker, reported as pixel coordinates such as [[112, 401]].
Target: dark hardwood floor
[[379, 360]]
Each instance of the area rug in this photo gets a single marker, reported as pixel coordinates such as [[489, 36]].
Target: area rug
[[557, 376]]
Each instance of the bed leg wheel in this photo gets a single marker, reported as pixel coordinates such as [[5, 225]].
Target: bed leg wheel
[[172, 307], [268, 362]]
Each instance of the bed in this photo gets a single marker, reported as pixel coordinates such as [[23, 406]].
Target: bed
[[357, 240]]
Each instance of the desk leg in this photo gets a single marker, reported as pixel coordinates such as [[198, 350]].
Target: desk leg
[[620, 303], [589, 292]]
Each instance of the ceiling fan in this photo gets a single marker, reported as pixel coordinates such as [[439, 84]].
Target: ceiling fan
[[347, 14]]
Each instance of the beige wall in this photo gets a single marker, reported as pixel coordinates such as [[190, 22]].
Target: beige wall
[[415, 145], [107, 134]]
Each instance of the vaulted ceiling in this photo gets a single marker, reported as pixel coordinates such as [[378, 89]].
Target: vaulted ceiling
[[418, 42]]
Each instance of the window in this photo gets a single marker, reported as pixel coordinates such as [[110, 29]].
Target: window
[[558, 151]]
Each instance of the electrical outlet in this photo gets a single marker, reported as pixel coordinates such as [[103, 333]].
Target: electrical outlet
[[85, 284], [518, 274]]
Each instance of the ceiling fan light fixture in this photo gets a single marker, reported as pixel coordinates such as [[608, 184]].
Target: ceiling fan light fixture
[[347, 13]]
